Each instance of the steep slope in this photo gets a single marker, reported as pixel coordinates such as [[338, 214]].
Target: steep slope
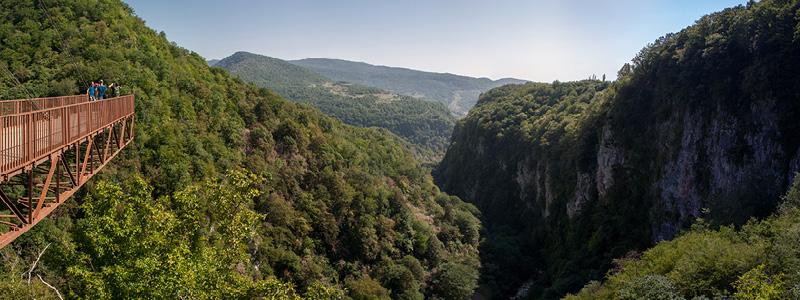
[[458, 93], [425, 124], [571, 175], [226, 186]]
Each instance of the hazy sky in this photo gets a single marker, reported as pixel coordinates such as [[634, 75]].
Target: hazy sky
[[534, 40]]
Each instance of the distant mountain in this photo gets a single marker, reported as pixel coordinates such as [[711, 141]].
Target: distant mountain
[[425, 124], [458, 93], [212, 62], [274, 74]]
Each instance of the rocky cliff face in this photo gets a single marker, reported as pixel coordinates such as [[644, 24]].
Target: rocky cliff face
[[708, 167], [701, 168], [609, 155]]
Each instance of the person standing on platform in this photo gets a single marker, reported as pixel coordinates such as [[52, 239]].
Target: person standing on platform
[[101, 90], [116, 89], [90, 91]]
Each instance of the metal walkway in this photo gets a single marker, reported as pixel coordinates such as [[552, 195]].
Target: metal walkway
[[49, 147]]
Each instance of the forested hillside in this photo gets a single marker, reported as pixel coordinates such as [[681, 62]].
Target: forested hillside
[[278, 76], [228, 191], [425, 124], [570, 176], [458, 93]]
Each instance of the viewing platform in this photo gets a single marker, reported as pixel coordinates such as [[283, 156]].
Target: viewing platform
[[49, 147]]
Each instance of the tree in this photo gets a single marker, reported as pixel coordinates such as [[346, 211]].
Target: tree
[[656, 287], [455, 281], [366, 288], [138, 247], [757, 285], [624, 71]]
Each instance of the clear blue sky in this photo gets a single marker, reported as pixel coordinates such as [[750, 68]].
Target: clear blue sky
[[535, 39]]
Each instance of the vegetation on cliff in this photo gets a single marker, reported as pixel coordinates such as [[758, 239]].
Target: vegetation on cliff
[[228, 191], [556, 124], [758, 261]]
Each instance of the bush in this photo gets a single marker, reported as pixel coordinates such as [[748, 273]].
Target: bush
[[757, 285], [365, 288], [455, 281], [656, 287]]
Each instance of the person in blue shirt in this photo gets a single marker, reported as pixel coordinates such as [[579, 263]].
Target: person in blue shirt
[[90, 91], [101, 90]]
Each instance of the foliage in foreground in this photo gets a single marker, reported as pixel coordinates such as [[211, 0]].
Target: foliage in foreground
[[759, 261], [192, 244]]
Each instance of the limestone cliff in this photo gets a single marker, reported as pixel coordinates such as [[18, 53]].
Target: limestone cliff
[[710, 164]]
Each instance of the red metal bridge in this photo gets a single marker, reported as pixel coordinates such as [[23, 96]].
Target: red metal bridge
[[50, 147]]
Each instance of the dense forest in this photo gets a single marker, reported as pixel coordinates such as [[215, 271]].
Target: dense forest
[[427, 125], [228, 191], [570, 177], [458, 93]]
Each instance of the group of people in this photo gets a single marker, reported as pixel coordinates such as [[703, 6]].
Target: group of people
[[100, 88]]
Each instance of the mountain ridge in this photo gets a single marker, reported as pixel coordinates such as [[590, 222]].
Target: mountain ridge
[[425, 124], [459, 93], [405, 69], [273, 73]]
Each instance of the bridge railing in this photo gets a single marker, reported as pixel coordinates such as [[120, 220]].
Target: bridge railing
[[17, 106], [29, 134]]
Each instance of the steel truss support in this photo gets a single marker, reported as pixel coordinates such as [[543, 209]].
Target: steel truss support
[[29, 196]]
